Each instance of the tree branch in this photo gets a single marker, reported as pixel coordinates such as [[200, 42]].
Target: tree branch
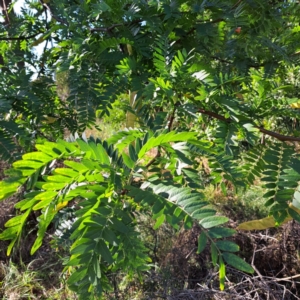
[[58, 19], [214, 115], [20, 38], [278, 136]]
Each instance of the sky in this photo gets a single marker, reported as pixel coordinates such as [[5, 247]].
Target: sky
[[18, 5]]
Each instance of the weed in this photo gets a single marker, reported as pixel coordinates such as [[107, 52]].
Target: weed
[[20, 284], [244, 206], [101, 130]]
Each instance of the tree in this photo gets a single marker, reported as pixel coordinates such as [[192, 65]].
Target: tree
[[211, 79]]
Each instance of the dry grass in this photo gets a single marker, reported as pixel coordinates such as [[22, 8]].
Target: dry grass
[[40, 279]]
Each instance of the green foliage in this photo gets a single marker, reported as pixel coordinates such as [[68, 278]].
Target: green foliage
[[104, 236], [216, 95], [116, 115], [278, 168]]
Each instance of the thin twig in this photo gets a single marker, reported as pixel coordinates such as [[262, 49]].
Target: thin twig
[[191, 252], [172, 117], [253, 266], [236, 4], [153, 159], [42, 69], [286, 278]]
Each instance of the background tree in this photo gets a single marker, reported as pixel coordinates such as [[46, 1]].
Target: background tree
[[213, 80]]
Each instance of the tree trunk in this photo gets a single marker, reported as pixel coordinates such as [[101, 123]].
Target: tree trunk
[[130, 117]]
